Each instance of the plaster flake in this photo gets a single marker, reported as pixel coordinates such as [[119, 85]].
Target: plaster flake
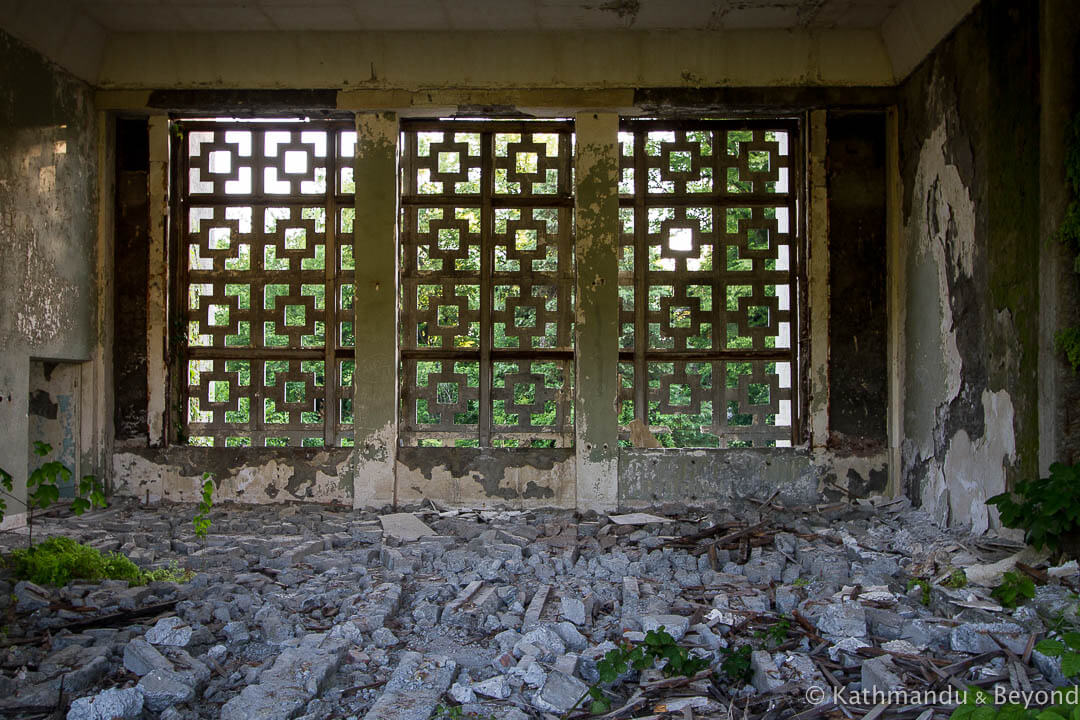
[[45, 298], [375, 477], [935, 495], [376, 137], [143, 478], [975, 470], [943, 235]]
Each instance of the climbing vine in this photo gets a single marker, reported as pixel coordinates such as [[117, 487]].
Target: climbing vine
[[1067, 340]]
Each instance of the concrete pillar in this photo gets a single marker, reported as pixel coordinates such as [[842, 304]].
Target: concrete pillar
[[894, 273], [818, 281], [96, 381], [375, 380], [1059, 288], [157, 319], [596, 324]]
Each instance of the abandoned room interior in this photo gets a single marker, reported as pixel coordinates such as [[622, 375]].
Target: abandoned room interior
[[524, 260]]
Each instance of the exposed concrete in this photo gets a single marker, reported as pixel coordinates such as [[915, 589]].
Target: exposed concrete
[[975, 470], [596, 387], [970, 271], [897, 311], [375, 238], [47, 231], [832, 38], [506, 477], [157, 316], [96, 385], [818, 278], [258, 475], [448, 59], [915, 27], [1059, 285], [54, 417], [716, 477]]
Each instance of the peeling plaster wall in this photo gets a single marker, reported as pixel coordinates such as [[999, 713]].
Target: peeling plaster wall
[[710, 477], [48, 166], [505, 477], [969, 159], [258, 475]]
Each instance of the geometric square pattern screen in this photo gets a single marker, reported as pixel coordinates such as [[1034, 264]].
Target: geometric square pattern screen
[[267, 276], [487, 282], [709, 264]]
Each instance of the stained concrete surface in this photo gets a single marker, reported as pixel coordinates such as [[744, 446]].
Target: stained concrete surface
[[969, 131], [48, 165]]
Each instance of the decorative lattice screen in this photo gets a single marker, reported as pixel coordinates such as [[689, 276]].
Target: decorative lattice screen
[[709, 281], [266, 277], [487, 280]]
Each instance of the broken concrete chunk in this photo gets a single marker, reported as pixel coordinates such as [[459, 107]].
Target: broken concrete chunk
[[976, 638], [297, 675], [406, 527], [414, 688], [170, 631], [472, 606], [559, 693], [30, 597], [383, 638], [879, 675], [236, 632], [638, 518], [840, 620], [1050, 667], [536, 607], [494, 687], [162, 689], [546, 641], [574, 640], [766, 675], [378, 604], [112, 704], [140, 657], [461, 694], [674, 625], [572, 609]]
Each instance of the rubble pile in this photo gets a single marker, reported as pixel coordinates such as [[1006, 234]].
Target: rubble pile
[[315, 612]]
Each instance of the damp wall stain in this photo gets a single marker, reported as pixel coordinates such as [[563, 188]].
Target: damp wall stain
[[48, 224], [970, 217]]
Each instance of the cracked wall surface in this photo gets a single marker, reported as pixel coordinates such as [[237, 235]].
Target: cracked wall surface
[[259, 475], [48, 165], [970, 238]]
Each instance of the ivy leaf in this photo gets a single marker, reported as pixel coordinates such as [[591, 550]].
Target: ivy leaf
[[45, 496], [599, 707], [1053, 648], [80, 505], [42, 449], [6, 480], [1049, 715], [1070, 664]]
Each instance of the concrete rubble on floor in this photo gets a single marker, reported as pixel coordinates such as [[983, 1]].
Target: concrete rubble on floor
[[316, 612]]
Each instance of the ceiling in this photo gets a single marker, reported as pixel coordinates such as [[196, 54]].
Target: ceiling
[[389, 15], [404, 43]]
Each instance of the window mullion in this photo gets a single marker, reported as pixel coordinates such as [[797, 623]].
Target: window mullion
[[487, 231], [330, 293], [641, 286]]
